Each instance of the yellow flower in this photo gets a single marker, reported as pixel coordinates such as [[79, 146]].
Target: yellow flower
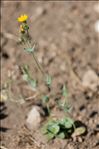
[[22, 18]]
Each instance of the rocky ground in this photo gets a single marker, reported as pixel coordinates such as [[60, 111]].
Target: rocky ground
[[67, 36]]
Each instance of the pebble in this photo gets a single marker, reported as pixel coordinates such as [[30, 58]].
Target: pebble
[[70, 146], [33, 118], [80, 139], [97, 26], [90, 80], [96, 7], [91, 123]]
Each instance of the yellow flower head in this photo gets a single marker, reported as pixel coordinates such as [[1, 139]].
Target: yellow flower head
[[22, 18]]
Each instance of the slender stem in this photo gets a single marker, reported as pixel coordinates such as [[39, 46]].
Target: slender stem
[[35, 59], [43, 73]]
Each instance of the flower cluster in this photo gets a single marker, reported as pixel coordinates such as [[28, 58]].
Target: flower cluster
[[24, 29], [24, 26]]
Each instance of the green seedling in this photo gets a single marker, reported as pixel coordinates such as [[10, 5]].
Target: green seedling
[[66, 122], [59, 128], [62, 128], [64, 105]]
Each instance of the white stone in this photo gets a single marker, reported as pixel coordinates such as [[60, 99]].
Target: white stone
[[96, 7], [90, 80], [34, 118], [97, 26]]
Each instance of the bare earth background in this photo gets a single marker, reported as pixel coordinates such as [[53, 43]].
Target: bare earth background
[[68, 46]]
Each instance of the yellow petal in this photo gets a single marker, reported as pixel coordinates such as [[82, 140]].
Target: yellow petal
[[22, 18]]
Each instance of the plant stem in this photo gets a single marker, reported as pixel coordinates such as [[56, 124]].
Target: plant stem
[[36, 61]]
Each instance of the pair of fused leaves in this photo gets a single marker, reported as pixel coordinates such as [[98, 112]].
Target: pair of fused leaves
[[45, 99], [27, 77], [59, 128], [30, 50], [64, 104], [64, 91], [48, 80]]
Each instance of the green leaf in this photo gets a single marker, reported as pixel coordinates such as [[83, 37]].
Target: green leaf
[[45, 99], [64, 91], [44, 129], [67, 122], [61, 135], [25, 69], [54, 128], [50, 129], [48, 80], [50, 136], [33, 83], [69, 131], [29, 50], [25, 26], [67, 108], [79, 131], [25, 77], [64, 106]]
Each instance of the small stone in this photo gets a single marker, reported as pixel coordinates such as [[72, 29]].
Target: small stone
[[34, 118], [70, 146], [98, 135], [91, 123], [96, 7], [90, 80], [80, 139], [97, 26]]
